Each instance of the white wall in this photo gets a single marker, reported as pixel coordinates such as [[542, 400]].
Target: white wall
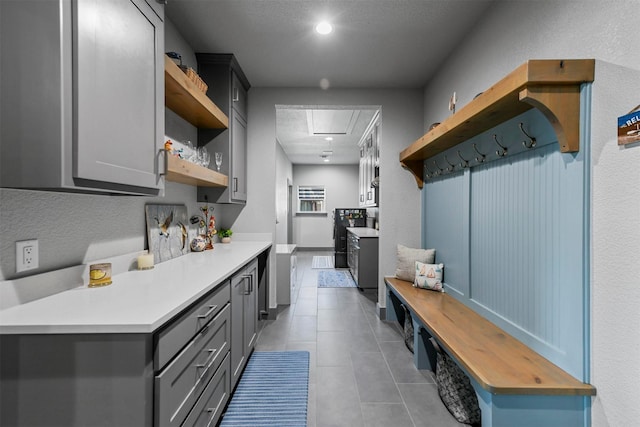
[[341, 187], [509, 34], [284, 177], [399, 196]]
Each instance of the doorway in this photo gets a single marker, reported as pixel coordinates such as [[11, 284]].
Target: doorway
[[320, 143]]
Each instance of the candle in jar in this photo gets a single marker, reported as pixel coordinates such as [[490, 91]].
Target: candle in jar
[[145, 262], [99, 274]]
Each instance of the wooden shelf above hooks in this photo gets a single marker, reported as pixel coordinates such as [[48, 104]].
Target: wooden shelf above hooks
[[552, 86]]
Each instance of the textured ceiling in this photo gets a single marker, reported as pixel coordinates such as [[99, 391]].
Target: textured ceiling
[[296, 126], [375, 44]]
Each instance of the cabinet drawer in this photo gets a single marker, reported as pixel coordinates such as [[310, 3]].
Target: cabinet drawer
[[171, 339], [180, 384], [208, 409]]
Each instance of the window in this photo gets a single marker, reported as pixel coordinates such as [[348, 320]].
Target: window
[[311, 199]]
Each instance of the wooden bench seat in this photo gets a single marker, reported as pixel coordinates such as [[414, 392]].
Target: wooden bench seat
[[500, 367]]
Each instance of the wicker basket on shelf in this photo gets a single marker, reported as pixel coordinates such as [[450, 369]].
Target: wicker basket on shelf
[[195, 78], [190, 72]]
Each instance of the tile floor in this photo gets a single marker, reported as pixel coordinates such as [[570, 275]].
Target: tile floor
[[361, 373]]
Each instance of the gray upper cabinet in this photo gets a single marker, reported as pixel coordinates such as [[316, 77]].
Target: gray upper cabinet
[[83, 95], [228, 89], [158, 7], [369, 165]]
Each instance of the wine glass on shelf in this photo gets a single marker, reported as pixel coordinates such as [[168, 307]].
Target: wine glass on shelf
[[203, 157], [218, 156]]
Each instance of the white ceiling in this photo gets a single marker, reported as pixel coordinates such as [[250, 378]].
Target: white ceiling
[[375, 44], [302, 132]]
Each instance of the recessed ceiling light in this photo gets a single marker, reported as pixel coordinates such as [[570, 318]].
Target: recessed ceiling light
[[326, 159], [328, 138], [324, 28], [324, 84]]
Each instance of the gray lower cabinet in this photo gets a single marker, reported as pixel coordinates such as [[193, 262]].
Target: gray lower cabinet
[[244, 317], [76, 380], [208, 409], [82, 95], [196, 344], [228, 89], [179, 375], [362, 259]]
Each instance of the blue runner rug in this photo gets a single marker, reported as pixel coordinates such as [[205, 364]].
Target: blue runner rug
[[335, 279], [272, 391]]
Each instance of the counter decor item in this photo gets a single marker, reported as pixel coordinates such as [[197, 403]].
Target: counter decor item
[[99, 275], [199, 243], [225, 235], [206, 229], [145, 262], [167, 231]]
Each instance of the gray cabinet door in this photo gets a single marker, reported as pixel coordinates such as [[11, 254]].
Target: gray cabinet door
[[82, 95], [117, 60], [238, 96], [239, 157], [251, 308], [244, 317], [237, 326]]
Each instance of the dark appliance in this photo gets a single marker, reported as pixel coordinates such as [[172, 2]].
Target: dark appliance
[[343, 218]]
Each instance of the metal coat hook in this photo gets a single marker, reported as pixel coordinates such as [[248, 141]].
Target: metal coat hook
[[440, 171], [428, 173], [437, 171], [532, 140], [481, 157], [504, 149], [464, 163], [451, 167]]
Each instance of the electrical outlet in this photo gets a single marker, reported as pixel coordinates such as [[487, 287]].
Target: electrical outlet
[[26, 255]]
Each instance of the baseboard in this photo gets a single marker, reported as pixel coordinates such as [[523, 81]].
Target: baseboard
[[314, 249], [272, 314], [381, 312]]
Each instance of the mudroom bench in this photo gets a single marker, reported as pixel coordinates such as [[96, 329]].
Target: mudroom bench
[[515, 385]]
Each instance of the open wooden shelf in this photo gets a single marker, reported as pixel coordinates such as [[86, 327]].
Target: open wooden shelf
[[551, 86], [185, 172], [183, 97]]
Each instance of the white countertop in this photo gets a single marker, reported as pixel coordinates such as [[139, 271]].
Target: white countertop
[[363, 231], [136, 301], [285, 249]]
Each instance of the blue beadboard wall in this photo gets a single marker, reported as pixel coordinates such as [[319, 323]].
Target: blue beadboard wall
[[511, 233]]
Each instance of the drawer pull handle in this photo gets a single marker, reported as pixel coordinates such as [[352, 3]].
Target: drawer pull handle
[[212, 308], [206, 365], [250, 289], [213, 411]]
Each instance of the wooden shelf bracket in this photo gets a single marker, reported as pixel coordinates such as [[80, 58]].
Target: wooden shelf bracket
[[561, 106]]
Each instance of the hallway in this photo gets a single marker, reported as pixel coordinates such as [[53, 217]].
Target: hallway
[[361, 373]]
